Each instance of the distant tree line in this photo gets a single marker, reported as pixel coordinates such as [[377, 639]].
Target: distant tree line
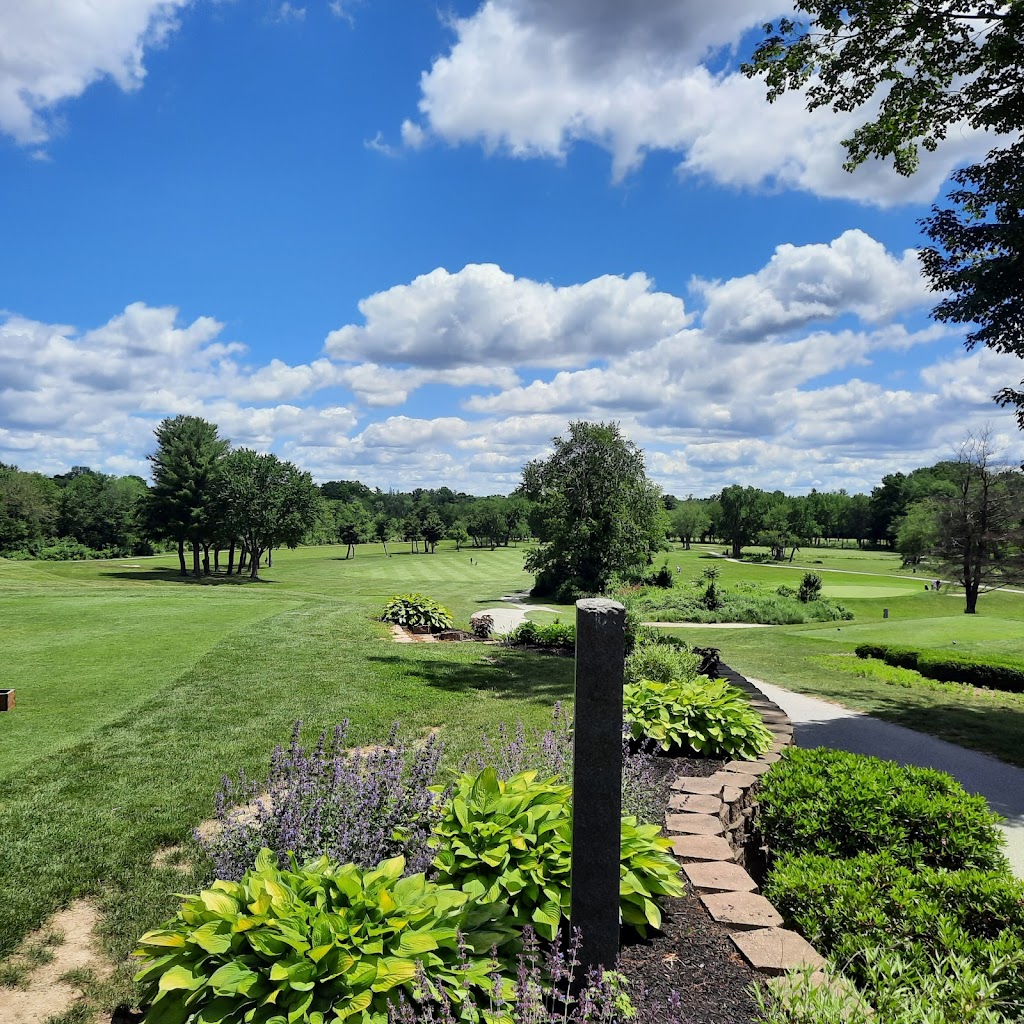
[[742, 516], [214, 504], [356, 514]]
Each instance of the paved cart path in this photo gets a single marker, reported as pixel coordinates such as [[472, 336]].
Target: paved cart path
[[817, 723]]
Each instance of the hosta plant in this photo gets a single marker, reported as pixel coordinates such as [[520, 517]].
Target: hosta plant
[[705, 716], [318, 944], [417, 611], [511, 841]]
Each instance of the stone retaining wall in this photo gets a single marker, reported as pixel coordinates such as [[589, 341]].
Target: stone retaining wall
[[711, 823]]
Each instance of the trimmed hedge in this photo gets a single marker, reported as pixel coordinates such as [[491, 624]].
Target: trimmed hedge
[[992, 673], [839, 804], [848, 907]]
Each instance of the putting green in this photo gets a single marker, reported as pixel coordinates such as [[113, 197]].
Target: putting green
[[867, 590]]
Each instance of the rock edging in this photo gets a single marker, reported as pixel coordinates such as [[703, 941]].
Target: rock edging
[[710, 823]]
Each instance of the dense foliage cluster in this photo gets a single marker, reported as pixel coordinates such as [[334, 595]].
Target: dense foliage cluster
[[702, 716], [359, 805], [708, 600], [994, 672], [839, 804], [560, 635], [895, 874], [511, 841], [848, 906], [417, 611], [315, 940], [328, 926]]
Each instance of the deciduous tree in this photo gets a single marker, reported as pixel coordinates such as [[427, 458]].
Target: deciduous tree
[[980, 524], [596, 512], [271, 503], [742, 515], [180, 505]]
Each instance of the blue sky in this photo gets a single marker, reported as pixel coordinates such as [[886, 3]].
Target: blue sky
[[407, 245]]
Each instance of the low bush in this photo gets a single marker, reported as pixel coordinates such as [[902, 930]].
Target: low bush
[[848, 908], [662, 663], [482, 625], [993, 673], [555, 634], [687, 603], [872, 668], [360, 806], [838, 804], [318, 943], [949, 990], [810, 588], [417, 611], [703, 716], [510, 841]]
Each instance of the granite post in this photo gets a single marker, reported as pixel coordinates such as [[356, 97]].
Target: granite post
[[597, 780]]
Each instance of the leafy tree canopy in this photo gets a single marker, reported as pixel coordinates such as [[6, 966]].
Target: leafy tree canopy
[[597, 513]]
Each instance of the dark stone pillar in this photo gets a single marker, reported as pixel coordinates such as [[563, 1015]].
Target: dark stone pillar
[[597, 779]]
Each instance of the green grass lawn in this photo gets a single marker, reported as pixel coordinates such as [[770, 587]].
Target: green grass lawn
[[799, 657], [137, 690]]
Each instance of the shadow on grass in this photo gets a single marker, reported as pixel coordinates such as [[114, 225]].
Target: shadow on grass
[[160, 574], [499, 672]]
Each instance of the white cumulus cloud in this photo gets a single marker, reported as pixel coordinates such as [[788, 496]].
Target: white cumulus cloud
[[483, 316], [53, 50], [800, 284], [531, 78]]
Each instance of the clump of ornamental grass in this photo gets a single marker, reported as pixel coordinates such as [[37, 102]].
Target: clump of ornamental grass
[[546, 991], [353, 805]]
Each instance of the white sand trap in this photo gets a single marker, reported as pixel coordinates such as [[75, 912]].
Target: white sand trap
[[506, 619]]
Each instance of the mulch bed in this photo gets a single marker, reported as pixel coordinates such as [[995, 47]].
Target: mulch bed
[[689, 973]]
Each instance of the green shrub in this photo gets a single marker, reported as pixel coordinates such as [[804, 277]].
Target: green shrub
[[511, 841], [950, 990], [661, 662], [554, 634], [986, 671], [706, 716], [847, 908], [810, 588], [840, 804], [872, 668], [417, 610], [319, 943], [686, 603]]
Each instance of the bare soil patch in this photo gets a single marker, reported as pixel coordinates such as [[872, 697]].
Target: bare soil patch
[[42, 991]]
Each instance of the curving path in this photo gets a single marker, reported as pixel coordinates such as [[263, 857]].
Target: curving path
[[817, 723]]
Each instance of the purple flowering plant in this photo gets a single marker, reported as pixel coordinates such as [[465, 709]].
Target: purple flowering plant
[[549, 754], [352, 805], [547, 990]]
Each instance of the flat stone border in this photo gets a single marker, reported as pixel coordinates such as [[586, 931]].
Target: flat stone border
[[709, 821]]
